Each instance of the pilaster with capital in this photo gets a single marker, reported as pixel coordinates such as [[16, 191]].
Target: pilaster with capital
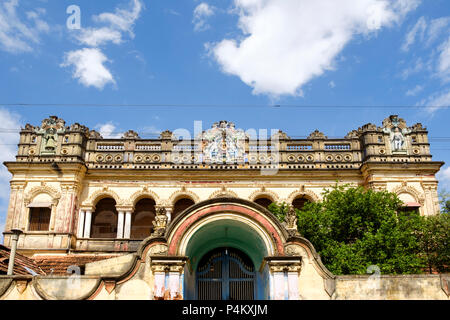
[[431, 198], [172, 268], [282, 271]]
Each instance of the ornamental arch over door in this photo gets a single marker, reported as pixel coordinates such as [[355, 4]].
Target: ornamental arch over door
[[237, 224]]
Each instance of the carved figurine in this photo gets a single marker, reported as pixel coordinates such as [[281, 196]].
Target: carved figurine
[[160, 222], [50, 140], [290, 222]]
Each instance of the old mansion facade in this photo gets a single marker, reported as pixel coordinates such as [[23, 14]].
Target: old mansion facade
[[174, 218]]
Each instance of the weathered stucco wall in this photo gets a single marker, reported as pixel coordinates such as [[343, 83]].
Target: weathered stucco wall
[[399, 287], [403, 287]]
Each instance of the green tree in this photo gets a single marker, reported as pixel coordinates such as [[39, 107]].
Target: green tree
[[444, 201], [434, 239], [353, 228]]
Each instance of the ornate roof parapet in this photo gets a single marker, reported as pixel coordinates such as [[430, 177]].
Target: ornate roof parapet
[[394, 121], [130, 134], [368, 127], [418, 127], [280, 135], [95, 135], [29, 128], [76, 127], [354, 134], [317, 135], [52, 122], [166, 135]]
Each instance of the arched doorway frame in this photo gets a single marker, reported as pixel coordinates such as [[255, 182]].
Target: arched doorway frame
[[248, 214]]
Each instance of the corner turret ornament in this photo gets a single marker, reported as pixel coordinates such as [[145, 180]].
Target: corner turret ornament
[[290, 222], [50, 128], [160, 222], [397, 130]]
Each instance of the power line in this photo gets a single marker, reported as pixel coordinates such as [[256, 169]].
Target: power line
[[155, 105]]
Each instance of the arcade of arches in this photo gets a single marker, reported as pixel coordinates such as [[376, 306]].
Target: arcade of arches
[[106, 222]]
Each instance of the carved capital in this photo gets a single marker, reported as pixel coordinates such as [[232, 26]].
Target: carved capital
[[176, 268], [158, 268], [294, 268], [277, 268]]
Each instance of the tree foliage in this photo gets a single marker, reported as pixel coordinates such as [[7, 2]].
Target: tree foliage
[[353, 228]]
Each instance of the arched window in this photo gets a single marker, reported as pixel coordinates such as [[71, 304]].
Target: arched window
[[39, 219], [300, 202], [104, 219], [263, 201], [142, 221], [409, 203], [181, 205]]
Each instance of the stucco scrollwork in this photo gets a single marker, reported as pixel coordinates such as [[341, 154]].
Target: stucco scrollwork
[[181, 194], [303, 193], [52, 192], [101, 194], [410, 190], [223, 193], [141, 194], [263, 193]]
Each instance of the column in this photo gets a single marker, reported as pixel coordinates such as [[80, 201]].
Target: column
[[80, 229], [293, 275], [278, 283], [174, 282], [127, 228], [53, 215], [120, 225], [169, 214], [160, 277], [87, 224]]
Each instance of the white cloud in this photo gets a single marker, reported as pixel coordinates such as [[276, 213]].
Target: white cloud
[[437, 101], [89, 67], [444, 61], [415, 67], [19, 35], [419, 28], [332, 84], [436, 27], [288, 43], [201, 13], [108, 131], [8, 149], [89, 63], [122, 21], [95, 37], [414, 91], [444, 178]]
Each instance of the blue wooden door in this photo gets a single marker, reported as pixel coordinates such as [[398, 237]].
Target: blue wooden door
[[226, 274]]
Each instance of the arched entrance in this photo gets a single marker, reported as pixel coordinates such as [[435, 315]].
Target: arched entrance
[[251, 232], [226, 274]]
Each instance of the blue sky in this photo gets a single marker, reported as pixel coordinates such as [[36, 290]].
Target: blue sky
[[225, 60]]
